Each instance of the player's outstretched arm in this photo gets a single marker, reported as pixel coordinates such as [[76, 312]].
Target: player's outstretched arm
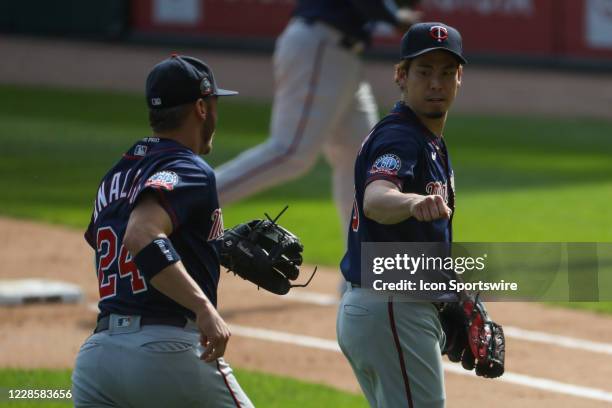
[[384, 203], [149, 221]]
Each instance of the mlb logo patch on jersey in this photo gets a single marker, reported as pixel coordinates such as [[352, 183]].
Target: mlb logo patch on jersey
[[386, 164], [163, 179], [140, 150]]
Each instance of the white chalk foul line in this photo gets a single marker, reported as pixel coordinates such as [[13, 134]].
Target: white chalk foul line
[[283, 337], [554, 339], [323, 299], [512, 378]]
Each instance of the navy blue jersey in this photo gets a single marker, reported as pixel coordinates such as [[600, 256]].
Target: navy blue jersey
[[349, 16], [185, 186], [402, 150]]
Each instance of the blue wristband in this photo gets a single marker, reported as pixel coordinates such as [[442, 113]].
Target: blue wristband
[[155, 257]]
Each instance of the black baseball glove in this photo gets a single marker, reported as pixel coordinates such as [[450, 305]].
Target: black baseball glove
[[264, 253], [473, 338]]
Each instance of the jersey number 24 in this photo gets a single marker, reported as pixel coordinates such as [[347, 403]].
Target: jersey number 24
[[107, 243]]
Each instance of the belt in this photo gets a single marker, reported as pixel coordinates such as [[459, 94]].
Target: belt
[[175, 321], [355, 285], [345, 41]]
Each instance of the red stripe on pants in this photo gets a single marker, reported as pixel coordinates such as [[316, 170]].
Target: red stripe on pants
[[400, 354], [227, 385]]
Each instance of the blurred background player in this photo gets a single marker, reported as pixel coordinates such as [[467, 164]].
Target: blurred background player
[[321, 101]]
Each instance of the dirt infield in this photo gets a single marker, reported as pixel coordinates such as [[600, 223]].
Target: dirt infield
[[50, 335], [124, 67]]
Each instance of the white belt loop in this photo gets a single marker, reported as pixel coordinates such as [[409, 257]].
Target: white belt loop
[[191, 325]]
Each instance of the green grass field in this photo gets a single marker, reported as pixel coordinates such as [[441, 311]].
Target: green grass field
[[263, 389]]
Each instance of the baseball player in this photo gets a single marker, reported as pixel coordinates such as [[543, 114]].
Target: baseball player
[[321, 101], [159, 340], [404, 191]]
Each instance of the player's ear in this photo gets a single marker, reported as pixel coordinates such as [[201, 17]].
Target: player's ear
[[398, 74], [401, 72], [201, 109], [459, 75]]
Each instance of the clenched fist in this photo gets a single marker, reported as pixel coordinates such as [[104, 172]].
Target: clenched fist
[[429, 208]]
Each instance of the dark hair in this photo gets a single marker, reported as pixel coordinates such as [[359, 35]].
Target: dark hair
[[163, 120], [404, 64]]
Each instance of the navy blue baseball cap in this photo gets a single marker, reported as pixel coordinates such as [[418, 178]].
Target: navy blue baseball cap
[[181, 79], [422, 38]]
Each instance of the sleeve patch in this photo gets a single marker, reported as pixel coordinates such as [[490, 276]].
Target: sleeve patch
[[164, 179], [388, 164]]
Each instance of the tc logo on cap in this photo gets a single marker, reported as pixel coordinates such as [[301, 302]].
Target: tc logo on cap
[[439, 33]]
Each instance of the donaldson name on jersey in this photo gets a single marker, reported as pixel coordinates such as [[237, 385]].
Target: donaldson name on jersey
[[184, 185]]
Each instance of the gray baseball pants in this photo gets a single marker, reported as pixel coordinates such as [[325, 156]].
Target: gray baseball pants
[[132, 366], [394, 349]]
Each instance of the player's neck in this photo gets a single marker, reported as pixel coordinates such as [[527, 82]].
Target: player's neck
[[181, 136], [435, 125]]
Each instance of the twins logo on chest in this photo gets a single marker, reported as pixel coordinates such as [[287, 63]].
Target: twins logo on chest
[[437, 188], [216, 228]]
